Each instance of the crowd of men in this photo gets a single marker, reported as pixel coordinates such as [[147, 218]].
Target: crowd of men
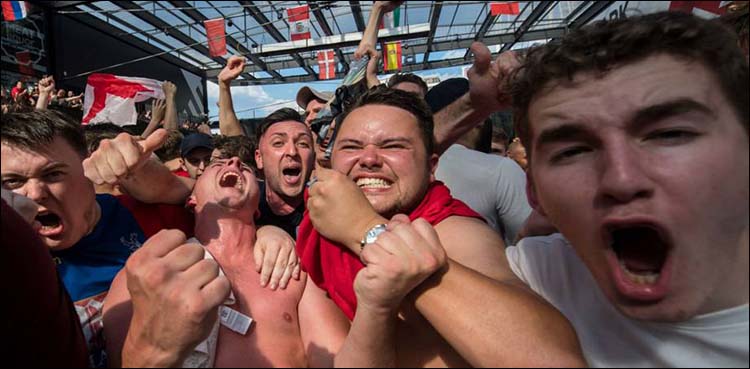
[[612, 231]]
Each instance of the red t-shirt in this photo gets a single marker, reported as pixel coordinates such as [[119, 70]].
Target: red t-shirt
[[181, 173], [333, 267], [154, 217]]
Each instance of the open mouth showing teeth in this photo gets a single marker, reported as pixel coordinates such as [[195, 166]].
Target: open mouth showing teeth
[[231, 179], [49, 220], [292, 172], [641, 252], [373, 183]]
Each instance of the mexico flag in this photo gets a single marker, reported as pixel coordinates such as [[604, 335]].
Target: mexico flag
[[392, 60], [299, 22], [110, 98]]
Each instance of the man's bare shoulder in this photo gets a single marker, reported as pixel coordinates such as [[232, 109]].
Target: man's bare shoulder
[[474, 244]]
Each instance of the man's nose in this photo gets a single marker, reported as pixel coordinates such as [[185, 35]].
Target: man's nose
[[35, 190], [622, 176], [370, 157]]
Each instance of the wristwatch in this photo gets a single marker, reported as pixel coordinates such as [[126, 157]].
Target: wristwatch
[[372, 235]]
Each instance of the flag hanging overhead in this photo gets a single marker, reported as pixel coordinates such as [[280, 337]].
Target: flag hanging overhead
[[299, 22], [110, 98], [14, 10], [326, 64], [391, 19], [217, 42], [392, 60], [504, 8]]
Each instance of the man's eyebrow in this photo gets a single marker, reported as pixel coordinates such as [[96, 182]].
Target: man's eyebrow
[[564, 132], [396, 140], [657, 112], [54, 165], [349, 140], [283, 134]]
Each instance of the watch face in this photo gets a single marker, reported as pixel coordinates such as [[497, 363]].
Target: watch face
[[372, 234]]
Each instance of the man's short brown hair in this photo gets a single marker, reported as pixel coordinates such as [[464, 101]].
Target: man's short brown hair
[[407, 77], [37, 129], [606, 45]]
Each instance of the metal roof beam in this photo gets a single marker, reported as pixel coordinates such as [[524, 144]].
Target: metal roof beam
[[535, 16], [596, 8], [327, 30], [267, 25], [437, 7], [262, 20], [197, 16], [357, 14], [446, 45], [111, 30], [157, 22], [151, 38]]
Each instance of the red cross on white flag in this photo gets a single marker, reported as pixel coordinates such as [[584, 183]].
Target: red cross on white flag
[[326, 64]]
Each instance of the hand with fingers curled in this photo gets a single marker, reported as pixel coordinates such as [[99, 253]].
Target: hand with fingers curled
[[401, 258], [235, 66], [275, 257], [338, 209], [489, 81], [175, 295], [120, 157]]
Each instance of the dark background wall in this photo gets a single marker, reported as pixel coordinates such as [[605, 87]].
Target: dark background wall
[[79, 48]]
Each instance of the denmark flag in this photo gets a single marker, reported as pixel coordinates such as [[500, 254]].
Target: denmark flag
[[299, 22], [110, 98], [326, 64]]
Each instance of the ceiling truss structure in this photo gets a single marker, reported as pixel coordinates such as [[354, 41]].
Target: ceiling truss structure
[[174, 29]]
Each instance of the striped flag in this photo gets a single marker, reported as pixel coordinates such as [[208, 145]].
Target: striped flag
[[391, 19], [326, 64], [14, 10], [504, 8], [392, 60], [217, 42], [299, 22]]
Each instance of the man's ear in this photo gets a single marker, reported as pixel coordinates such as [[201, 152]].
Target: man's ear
[[190, 203], [531, 194], [182, 165], [258, 160], [434, 160]]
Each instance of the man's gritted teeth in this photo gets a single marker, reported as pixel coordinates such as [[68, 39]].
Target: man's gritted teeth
[[373, 183], [232, 179], [52, 224], [641, 253]]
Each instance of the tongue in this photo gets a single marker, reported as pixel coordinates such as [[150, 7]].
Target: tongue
[[641, 259]]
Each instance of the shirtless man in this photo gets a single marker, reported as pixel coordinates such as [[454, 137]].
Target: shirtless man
[[285, 324]]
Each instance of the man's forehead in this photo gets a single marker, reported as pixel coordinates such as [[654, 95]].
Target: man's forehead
[[596, 97], [287, 127], [16, 158]]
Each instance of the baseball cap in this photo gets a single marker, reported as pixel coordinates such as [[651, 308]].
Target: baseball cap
[[194, 141], [446, 92], [306, 94]]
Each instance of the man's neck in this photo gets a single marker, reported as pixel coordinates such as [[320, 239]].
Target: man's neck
[[282, 205], [228, 237]]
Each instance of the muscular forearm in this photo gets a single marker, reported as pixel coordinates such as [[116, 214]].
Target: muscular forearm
[[154, 183], [371, 341], [153, 124], [495, 324], [455, 120], [42, 102], [170, 115], [229, 125], [135, 355], [370, 35]]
